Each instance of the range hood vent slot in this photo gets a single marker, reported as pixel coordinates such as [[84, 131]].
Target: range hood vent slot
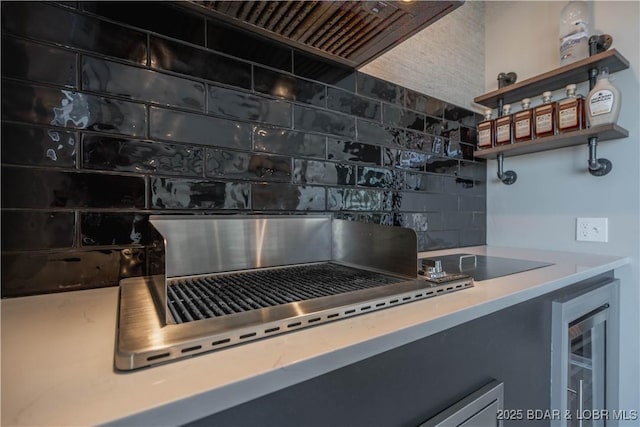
[[349, 32]]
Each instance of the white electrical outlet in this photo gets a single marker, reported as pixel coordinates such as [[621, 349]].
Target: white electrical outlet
[[592, 229]]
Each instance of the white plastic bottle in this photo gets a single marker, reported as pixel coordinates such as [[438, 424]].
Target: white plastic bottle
[[574, 32], [603, 101]]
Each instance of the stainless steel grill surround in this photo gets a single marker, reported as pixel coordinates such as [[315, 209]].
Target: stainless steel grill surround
[[210, 246]]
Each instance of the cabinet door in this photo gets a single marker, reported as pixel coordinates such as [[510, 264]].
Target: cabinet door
[[479, 409]]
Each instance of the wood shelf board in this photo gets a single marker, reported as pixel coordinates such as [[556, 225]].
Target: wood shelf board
[[603, 133], [555, 79]]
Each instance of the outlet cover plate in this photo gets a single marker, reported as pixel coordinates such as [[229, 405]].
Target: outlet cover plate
[[592, 229]]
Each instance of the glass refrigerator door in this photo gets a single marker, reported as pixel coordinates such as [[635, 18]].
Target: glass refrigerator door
[[586, 382]]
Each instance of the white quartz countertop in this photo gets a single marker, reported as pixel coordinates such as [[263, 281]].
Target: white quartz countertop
[[57, 350]]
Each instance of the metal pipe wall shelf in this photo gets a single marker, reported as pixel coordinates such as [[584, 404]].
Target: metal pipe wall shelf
[[602, 132], [579, 71]]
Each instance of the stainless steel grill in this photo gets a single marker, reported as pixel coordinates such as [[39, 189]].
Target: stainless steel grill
[[218, 295], [228, 280]]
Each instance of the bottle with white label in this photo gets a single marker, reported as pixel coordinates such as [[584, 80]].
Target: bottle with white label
[[504, 126], [603, 101], [523, 122], [486, 131], [571, 115], [544, 117]]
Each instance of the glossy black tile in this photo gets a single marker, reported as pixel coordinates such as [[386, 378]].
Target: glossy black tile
[[63, 26], [473, 203], [36, 146], [415, 140], [288, 87], [434, 144], [39, 188], [468, 135], [442, 239], [442, 165], [456, 220], [64, 108], [473, 170], [198, 129], [460, 115], [380, 178], [114, 228], [351, 151], [428, 202], [473, 237], [134, 155], [248, 46], [33, 230], [35, 62], [175, 193], [373, 87], [161, 17], [351, 199], [431, 183], [451, 130], [241, 165], [425, 104], [349, 103], [245, 106], [316, 172], [141, 84], [314, 120], [404, 159], [394, 116], [434, 126], [287, 197], [375, 133], [322, 70], [28, 274], [284, 141], [464, 186], [201, 63], [417, 221]]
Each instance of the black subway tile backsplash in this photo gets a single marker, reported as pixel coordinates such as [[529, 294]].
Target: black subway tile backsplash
[[69, 109], [119, 228], [110, 115], [250, 47], [44, 189], [167, 18], [38, 146], [26, 60], [248, 166], [140, 84], [288, 87], [33, 230], [134, 155], [177, 193], [192, 128], [246, 106], [200, 63], [283, 141], [46, 22], [287, 197]]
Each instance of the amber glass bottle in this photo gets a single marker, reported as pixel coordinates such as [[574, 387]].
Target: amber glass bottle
[[523, 122], [504, 127], [545, 117], [486, 131], [571, 113]]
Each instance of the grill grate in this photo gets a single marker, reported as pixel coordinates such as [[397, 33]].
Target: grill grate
[[205, 297]]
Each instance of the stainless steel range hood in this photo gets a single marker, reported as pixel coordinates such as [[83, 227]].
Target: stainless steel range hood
[[222, 281], [349, 32]]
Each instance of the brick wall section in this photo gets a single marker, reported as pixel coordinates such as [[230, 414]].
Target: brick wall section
[[109, 116]]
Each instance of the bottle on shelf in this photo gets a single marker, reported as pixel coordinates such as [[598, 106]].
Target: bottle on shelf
[[504, 127], [545, 117], [486, 131], [603, 101], [570, 111], [574, 32], [523, 122]]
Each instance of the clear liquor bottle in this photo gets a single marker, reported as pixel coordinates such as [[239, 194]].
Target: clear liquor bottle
[[486, 131], [571, 113], [523, 129], [545, 117], [504, 127]]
